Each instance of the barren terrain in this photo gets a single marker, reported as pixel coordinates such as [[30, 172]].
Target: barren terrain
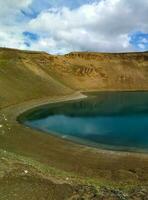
[[34, 165]]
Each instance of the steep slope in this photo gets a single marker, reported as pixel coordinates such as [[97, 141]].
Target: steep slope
[[22, 78], [32, 163], [28, 75], [95, 71]]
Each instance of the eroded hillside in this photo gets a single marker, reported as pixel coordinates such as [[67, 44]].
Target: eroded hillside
[[94, 71], [23, 76], [28, 75]]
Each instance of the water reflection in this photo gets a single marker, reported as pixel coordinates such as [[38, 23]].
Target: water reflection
[[118, 120]]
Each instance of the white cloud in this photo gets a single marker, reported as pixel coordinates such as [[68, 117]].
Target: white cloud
[[100, 26], [105, 25], [11, 39], [11, 8], [11, 27], [144, 40], [141, 46], [8, 5]]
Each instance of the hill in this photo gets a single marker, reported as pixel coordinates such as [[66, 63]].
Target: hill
[[26, 75], [23, 76], [34, 165]]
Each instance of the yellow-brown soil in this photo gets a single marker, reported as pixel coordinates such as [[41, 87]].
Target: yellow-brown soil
[[34, 165]]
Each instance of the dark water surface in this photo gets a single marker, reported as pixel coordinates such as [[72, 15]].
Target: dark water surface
[[111, 120]]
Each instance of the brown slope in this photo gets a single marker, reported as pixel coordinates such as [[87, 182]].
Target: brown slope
[[22, 78], [28, 75], [102, 71]]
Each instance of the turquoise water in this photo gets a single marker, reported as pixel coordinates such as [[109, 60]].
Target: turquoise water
[[110, 120]]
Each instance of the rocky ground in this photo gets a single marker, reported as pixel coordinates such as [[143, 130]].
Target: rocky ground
[[22, 179], [36, 166]]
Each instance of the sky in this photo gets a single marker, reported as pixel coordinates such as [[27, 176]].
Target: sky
[[63, 26]]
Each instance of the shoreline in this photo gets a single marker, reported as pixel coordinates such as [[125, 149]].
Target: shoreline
[[75, 96], [98, 163], [100, 147], [35, 165]]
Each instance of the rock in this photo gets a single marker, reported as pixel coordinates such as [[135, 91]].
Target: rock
[[26, 171]]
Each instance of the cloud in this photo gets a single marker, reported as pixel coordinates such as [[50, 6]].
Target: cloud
[[101, 26], [11, 8], [11, 40], [139, 40], [11, 23], [98, 25]]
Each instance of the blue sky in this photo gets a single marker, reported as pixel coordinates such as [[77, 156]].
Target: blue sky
[[139, 40], [38, 5], [62, 26]]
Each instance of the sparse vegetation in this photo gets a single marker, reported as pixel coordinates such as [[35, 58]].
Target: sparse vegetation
[[40, 166]]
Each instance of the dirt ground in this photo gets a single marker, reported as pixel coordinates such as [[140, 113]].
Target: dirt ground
[[34, 165]]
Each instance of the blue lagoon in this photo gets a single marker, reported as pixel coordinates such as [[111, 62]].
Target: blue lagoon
[[110, 120]]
